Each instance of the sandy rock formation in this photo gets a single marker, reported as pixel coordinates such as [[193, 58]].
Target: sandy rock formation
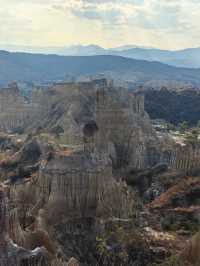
[[79, 191], [191, 253], [120, 117], [72, 262], [123, 122], [16, 112], [29, 239], [79, 178], [70, 194], [10, 253], [186, 158]]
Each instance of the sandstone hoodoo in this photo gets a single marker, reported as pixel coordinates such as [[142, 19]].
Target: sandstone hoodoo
[[86, 179]]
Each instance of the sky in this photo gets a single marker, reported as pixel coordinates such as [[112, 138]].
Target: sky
[[165, 24]]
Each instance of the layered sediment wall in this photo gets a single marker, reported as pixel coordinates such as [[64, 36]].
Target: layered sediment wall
[[185, 158]]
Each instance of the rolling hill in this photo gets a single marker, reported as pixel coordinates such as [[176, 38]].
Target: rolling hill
[[25, 67]]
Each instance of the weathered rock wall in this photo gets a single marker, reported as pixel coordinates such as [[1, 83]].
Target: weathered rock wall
[[185, 158], [77, 178], [17, 112], [10, 253], [126, 125]]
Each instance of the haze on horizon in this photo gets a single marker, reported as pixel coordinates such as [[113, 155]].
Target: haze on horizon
[[165, 24]]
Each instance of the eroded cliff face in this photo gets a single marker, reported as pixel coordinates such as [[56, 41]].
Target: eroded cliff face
[[66, 203], [88, 180], [79, 186], [10, 253], [125, 127], [65, 110]]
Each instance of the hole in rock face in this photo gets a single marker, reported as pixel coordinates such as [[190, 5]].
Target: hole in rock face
[[90, 129]]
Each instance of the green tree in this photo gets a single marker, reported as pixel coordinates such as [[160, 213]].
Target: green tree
[[192, 137], [171, 126], [183, 126]]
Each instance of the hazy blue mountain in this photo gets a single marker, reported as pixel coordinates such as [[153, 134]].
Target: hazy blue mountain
[[188, 57], [29, 49], [81, 50], [181, 58], [24, 67], [78, 50], [128, 47]]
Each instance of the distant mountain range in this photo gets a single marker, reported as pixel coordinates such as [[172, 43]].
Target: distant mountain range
[[39, 68], [181, 58]]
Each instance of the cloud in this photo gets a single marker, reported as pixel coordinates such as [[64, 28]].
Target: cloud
[[104, 14], [148, 14], [162, 23]]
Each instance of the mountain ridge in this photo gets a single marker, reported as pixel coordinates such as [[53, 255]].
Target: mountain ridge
[[189, 57], [41, 68]]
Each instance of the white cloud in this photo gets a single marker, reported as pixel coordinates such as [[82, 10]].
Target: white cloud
[[162, 23]]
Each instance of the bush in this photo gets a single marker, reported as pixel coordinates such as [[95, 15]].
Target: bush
[[173, 261]]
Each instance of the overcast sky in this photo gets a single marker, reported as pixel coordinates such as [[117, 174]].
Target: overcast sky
[[168, 24]]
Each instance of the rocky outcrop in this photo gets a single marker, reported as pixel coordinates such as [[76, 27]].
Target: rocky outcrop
[[78, 182], [78, 178], [14, 109], [66, 109], [72, 262], [186, 158], [10, 253], [179, 206], [191, 251], [183, 194], [124, 125], [79, 194]]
